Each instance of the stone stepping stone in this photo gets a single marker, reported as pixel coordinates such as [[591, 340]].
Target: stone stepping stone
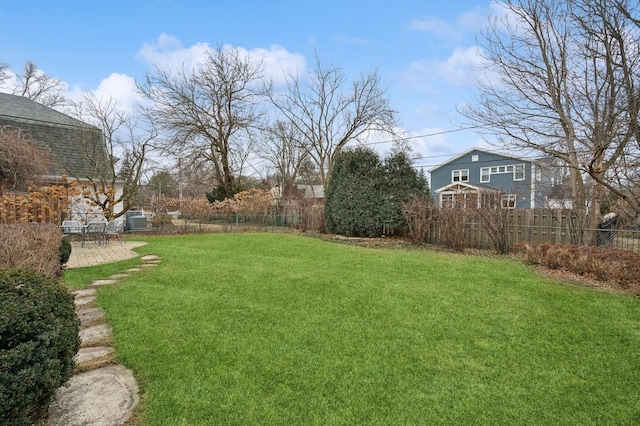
[[94, 357], [118, 276], [85, 292], [150, 258], [84, 302], [101, 397], [133, 270], [90, 316], [96, 335], [99, 283], [93, 353]]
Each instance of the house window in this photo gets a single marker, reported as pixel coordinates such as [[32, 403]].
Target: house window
[[485, 174], [518, 174], [446, 200], [509, 201], [474, 158], [460, 175]]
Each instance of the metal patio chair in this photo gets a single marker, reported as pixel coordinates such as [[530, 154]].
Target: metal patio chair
[[114, 229], [94, 230], [71, 228]]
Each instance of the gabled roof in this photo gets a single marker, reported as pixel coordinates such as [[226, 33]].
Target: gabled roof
[[462, 186], [469, 151], [71, 142]]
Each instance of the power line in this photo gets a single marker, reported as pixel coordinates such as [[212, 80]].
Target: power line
[[426, 135]]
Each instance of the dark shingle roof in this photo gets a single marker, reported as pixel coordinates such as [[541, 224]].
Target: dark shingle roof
[[76, 148], [21, 108]]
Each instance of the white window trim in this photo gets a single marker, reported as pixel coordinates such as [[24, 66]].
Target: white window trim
[[447, 194], [507, 199], [503, 170], [488, 175], [461, 172]]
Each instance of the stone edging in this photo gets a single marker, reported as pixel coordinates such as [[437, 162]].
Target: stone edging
[[101, 392]]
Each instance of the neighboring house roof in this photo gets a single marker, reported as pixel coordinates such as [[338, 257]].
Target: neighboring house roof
[[453, 159], [77, 149], [306, 191]]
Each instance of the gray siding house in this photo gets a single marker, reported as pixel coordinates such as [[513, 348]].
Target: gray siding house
[[460, 181]]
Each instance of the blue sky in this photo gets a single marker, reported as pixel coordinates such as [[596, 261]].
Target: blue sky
[[425, 51]]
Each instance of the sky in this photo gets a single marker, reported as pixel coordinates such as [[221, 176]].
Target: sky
[[424, 51]]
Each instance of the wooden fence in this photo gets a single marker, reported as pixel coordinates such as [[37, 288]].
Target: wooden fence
[[543, 226]]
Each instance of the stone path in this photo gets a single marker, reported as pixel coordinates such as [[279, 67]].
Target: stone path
[[101, 393]]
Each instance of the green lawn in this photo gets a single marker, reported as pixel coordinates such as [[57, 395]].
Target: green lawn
[[281, 329]]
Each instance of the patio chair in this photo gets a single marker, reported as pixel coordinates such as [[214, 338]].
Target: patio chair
[[114, 229], [95, 230], [71, 228]]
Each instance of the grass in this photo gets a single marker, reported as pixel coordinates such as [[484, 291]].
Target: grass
[[79, 278], [281, 329]]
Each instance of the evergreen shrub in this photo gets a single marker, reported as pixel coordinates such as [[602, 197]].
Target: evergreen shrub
[[365, 195], [38, 341], [65, 251]]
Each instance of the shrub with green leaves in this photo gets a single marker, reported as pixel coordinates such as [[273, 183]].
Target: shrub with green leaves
[[364, 196], [38, 341], [65, 251]]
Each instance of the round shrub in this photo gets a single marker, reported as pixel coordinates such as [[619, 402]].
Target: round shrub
[[38, 341]]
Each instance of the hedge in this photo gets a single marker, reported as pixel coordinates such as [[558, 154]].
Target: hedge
[[38, 341]]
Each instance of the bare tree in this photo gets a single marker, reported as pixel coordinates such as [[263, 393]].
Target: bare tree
[[126, 142], [281, 145], [3, 71], [563, 82], [208, 112], [22, 160], [38, 86], [329, 112]]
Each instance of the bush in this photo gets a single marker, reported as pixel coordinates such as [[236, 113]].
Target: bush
[[161, 220], [65, 251], [364, 196], [453, 223], [420, 214], [617, 267], [38, 341], [28, 246]]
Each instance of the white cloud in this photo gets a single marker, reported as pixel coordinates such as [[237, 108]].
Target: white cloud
[[168, 53], [462, 65], [469, 21], [277, 62], [436, 26], [473, 20], [9, 83], [117, 87], [430, 142]]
